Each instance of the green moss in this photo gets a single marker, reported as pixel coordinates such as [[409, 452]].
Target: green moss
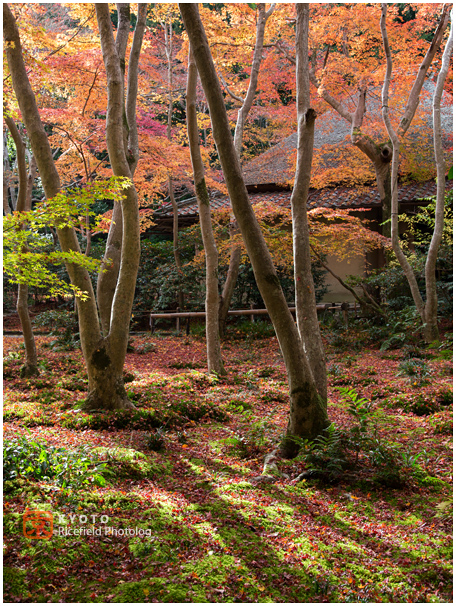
[[13, 581], [158, 548], [130, 463], [431, 481], [12, 523], [160, 590]]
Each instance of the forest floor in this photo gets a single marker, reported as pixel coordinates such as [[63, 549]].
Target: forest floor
[[177, 480]]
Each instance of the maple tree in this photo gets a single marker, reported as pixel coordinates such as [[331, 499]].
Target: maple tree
[[22, 205], [306, 310], [214, 355], [104, 355], [246, 105], [308, 417], [347, 74], [428, 308]]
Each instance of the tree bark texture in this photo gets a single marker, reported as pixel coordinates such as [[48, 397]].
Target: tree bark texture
[[104, 357], [109, 273], [308, 416], [214, 354], [106, 362], [429, 322], [235, 254], [306, 305], [431, 332], [24, 203], [231, 279]]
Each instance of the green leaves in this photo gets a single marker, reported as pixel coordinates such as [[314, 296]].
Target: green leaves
[[28, 459], [28, 252]]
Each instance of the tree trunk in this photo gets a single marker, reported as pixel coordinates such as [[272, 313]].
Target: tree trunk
[[106, 360], [431, 331], [168, 31], [109, 271], [428, 310], [176, 253], [7, 209], [214, 354], [24, 203], [104, 357], [231, 279], [306, 305], [235, 255], [106, 384], [30, 367], [308, 415]]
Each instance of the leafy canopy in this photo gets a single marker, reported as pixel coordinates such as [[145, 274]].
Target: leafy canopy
[[27, 255]]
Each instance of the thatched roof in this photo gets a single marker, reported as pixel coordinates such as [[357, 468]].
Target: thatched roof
[[274, 168], [266, 176]]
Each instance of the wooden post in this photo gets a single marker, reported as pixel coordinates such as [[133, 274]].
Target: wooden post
[[252, 317], [187, 331], [345, 307], [178, 321], [152, 325]]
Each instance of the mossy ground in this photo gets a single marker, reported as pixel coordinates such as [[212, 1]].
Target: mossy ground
[[203, 531]]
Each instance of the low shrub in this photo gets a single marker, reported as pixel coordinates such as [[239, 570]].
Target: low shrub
[[445, 396], [417, 371], [419, 404], [63, 325], [260, 329], [156, 439], [25, 458], [326, 456]]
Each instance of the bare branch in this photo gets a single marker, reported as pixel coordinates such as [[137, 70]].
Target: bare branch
[[230, 92], [414, 97]]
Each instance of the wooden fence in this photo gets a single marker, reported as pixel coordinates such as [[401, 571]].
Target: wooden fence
[[189, 315]]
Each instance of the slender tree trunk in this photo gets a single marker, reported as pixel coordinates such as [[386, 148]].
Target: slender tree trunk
[[306, 305], [308, 415], [24, 203], [176, 252], [246, 104], [231, 279], [109, 272], [431, 331], [7, 209], [214, 354], [168, 31]]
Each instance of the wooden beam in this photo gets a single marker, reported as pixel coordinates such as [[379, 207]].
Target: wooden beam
[[232, 312]]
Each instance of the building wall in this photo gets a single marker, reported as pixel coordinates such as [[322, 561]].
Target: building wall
[[336, 292]]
